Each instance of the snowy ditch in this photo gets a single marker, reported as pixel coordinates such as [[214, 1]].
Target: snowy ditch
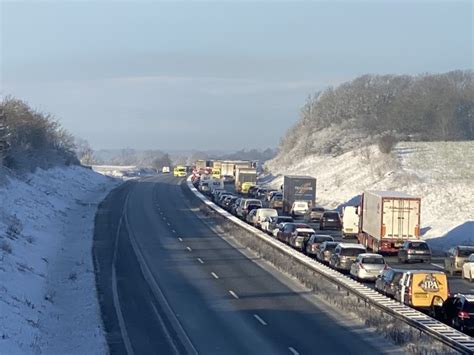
[[339, 290]]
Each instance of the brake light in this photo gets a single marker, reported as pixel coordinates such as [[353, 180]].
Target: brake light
[[409, 251], [417, 231], [385, 267], [362, 266], [409, 291], [463, 315]]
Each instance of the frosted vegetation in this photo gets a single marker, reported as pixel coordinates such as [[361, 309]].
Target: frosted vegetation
[[383, 109]]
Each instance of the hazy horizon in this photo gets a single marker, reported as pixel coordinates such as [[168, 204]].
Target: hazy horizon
[[162, 75]]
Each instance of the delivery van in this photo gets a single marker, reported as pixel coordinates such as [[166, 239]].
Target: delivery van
[[350, 222], [179, 171], [423, 289]]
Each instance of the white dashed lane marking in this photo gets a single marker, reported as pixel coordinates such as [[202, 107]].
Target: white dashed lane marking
[[214, 275], [189, 249], [257, 317], [233, 294], [200, 260]]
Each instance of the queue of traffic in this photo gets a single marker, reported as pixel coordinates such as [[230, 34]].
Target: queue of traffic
[[385, 222]]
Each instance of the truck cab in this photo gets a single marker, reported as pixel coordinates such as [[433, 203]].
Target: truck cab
[[179, 171]]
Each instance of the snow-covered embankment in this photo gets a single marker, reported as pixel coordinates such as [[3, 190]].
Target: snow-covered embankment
[[48, 301]]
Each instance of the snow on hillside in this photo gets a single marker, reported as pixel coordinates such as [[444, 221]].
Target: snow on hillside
[[47, 286], [441, 173]]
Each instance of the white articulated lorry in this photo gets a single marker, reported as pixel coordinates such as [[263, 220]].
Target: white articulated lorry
[[387, 219]]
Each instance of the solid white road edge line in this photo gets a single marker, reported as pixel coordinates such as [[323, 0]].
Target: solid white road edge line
[[257, 317], [165, 330]]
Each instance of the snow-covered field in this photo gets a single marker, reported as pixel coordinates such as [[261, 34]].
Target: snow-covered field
[[48, 302], [441, 173]]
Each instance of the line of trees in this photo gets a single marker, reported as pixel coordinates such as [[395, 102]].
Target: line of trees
[[31, 139], [384, 108]]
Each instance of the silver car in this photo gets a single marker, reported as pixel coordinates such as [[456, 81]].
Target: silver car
[[368, 266], [345, 254]]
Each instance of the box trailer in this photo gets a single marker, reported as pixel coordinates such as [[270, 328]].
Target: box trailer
[[200, 165], [227, 168], [298, 188], [244, 174], [387, 219]]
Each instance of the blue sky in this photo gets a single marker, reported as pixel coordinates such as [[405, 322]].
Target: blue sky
[[212, 75]]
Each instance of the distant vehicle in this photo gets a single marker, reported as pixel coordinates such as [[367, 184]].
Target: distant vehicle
[[345, 254], [227, 169], [179, 171], [245, 187], [234, 205], [388, 282], [215, 184], [242, 175], [200, 165], [216, 173], [468, 268], [291, 229], [414, 251], [388, 219], [279, 229], [350, 221], [275, 221], [458, 312], [242, 210], [315, 241], [424, 289], [270, 193], [325, 251], [314, 214], [276, 201], [298, 188], [300, 237], [165, 170], [456, 257], [299, 208], [264, 213], [330, 220], [368, 266]]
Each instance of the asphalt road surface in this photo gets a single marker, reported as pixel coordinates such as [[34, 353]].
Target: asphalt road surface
[[169, 284]]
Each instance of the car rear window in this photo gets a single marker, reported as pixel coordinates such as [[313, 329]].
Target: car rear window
[[302, 226], [304, 234], [331, 246], [419, 246], [378, 261], [317, 209], [331, 215], [320, 239], [301, 205], [469, 307], [284, 219], [465, 252], [351, 251]]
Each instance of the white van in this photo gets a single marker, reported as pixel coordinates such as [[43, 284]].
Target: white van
[[262, 214], [350, 221], [242, 210]]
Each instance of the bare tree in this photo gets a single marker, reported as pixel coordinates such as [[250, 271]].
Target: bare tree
[[84, 151]]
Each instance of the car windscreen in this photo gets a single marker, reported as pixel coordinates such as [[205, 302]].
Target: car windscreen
[[378, 261], [419, 246], [464, 253], [351, 251]]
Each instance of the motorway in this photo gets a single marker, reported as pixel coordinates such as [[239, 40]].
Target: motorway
[[168, 283]]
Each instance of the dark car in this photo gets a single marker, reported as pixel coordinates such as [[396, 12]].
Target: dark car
[[276, 201], [289, 230], [252, 191], [325, 250], [388, 282], [275, 221], [315, 241], [234, 205], [458, 312], [330, 220], [314, 214], [414, 251], [228, 202]]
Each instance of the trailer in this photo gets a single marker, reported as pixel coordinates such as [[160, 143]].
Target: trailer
[[298, 188], [388, 219]]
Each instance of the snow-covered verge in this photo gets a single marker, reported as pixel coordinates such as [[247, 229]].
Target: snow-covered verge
[[48, 299], [441, 173]]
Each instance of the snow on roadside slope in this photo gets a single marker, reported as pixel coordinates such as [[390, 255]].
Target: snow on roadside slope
[[441, 173], [48, 301]]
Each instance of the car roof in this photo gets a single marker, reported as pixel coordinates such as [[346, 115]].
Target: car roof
[[371, 255], [323, 235], [468, 296], [424, 272], [351, 245], [465, 247]]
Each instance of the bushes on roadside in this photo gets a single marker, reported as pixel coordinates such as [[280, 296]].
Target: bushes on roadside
[[34, 139]]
